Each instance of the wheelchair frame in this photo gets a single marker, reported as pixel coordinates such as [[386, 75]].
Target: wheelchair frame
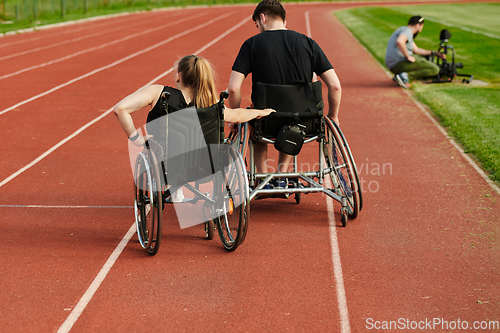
[[336, 165], [152, 192]]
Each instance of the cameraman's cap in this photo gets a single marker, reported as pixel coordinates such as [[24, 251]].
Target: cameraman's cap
[[414, 20]]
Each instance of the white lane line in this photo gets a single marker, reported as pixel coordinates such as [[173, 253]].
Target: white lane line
[[61, 31], [224, 34], [116, 41], [337, 267], [48, 152], [308, 25], [68, 41], [61, 206], [345, 326], [463, 28], [84, 301], [113, 64], [309, 34]]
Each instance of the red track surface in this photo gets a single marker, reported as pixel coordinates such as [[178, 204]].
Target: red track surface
[[425, 245]]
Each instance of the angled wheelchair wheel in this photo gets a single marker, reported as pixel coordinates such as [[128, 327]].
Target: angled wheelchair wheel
[[353, 164], [148, 202], [232, 205], [239, 140], [343, 173]]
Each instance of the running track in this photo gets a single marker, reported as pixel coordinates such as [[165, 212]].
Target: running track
[[425, 245]]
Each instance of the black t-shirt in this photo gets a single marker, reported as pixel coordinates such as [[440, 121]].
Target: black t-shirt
[[281, 57]]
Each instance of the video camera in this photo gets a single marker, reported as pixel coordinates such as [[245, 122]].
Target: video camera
[[447, 69]]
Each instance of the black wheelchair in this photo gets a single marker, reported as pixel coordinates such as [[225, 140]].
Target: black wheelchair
[[188, 152], [301, 105]]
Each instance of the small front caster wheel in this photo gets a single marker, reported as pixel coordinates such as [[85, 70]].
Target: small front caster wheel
[[343, 219], [298, 196]]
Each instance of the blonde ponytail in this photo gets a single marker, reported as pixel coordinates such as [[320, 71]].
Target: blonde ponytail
[[197, 73]]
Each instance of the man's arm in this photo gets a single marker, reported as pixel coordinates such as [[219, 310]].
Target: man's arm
[[332, 82], [419, 51], [234, 89], [424, 52], [401, 43]]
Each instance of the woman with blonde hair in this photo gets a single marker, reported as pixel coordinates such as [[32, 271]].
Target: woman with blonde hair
[[195, 86]]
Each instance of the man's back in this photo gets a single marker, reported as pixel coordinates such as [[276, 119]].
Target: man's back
[[281, 57]]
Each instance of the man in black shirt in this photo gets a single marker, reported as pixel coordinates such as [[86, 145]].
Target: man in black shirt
[[280, 56]]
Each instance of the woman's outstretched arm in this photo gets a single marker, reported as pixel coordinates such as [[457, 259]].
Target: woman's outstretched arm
[[240, 115]]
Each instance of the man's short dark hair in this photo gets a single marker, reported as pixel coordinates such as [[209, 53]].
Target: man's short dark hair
[[414, 20], [271, 8]]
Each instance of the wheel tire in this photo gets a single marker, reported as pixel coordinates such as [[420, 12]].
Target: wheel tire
[[343, 219], [209, 224], [353, 164], [343, 172], [209, 229], [232, 202], [148, 202], [239, 141], [298, 197]]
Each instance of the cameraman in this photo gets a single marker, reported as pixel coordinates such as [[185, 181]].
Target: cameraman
[[400, 59]]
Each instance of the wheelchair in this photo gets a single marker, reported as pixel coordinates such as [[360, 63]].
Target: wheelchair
[[301, 104], [188, 152]]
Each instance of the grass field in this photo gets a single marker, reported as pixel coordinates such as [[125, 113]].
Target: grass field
[[470, 113]]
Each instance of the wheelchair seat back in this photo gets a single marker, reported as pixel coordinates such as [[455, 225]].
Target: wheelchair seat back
[[302, 102], [191, 142]]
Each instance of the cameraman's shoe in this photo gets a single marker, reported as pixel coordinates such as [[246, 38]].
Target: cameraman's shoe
[[402, 79]]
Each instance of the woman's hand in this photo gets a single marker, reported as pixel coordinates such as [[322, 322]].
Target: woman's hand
[[263, 113], [240, 115]]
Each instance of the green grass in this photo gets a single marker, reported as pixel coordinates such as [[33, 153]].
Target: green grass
[[470, 113]]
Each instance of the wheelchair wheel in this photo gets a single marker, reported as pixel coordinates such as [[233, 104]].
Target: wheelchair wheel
[[353, 164], [148, 202], [239, 140], [232, 202], [343, 171]]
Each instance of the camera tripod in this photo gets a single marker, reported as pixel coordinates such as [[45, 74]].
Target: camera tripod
[[447, 69]]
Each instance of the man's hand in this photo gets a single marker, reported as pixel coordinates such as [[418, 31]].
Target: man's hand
[[441, 55], [411, 58], [334, 119]]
